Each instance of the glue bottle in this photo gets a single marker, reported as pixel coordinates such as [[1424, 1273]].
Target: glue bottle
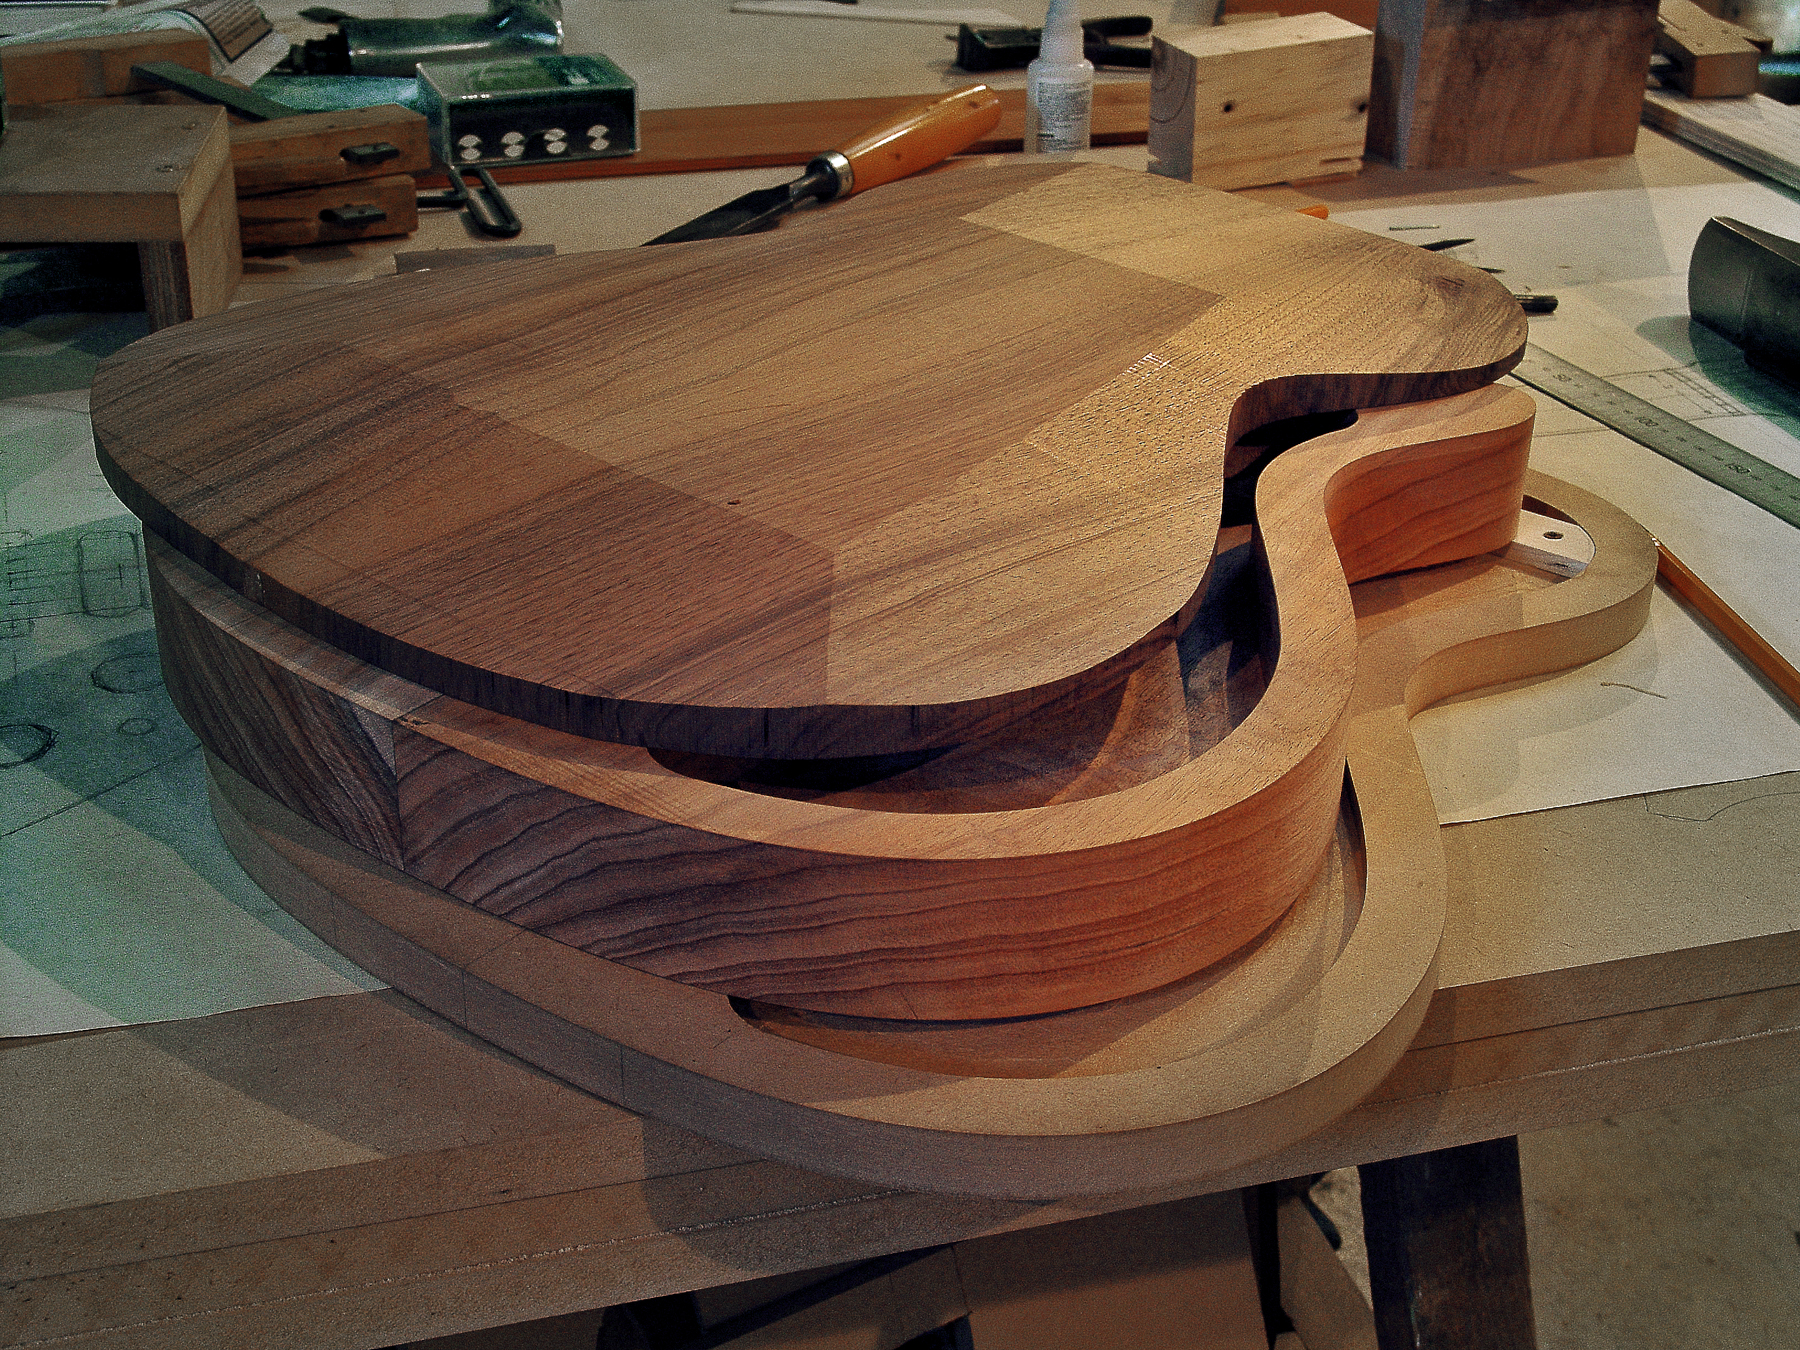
[[1059, 87]]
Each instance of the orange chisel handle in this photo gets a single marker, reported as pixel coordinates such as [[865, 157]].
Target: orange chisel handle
[[916, 139]]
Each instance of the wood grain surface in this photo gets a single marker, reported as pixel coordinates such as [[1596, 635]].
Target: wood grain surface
[[98, 66], [869, 483], [1192, 1079], [1109, 843], [1496, 83]]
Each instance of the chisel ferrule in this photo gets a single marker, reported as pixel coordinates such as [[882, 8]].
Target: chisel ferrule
[[840, 166]]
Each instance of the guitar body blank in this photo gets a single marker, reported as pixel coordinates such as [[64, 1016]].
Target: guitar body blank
[[839, 623], [886, 490]]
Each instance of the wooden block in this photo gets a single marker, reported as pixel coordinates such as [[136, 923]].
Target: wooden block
[[304, 151], [1261, 102], [1713, 58], [88, 174], [327, 215], [195, 275], [1356, 11], [1498, 83], [156, 176], [94, 67]]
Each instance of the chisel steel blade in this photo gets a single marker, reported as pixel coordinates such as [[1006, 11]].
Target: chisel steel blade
[[758, 210]]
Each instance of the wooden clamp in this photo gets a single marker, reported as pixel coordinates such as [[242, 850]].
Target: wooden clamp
[[312, 149], [95, 67], [331, 213]]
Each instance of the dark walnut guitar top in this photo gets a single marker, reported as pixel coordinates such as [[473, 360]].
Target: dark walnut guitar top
[[866, 483]]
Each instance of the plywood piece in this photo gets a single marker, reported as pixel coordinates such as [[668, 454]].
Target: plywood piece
[[1498, 83], [1713, 58], [97, 66], [1754, 131], [1271, 101], [292, 219], [294, 152], [988, 518]]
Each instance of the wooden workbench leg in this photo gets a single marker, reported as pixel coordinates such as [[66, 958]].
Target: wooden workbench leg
[[1447, 1262], [194, 276]]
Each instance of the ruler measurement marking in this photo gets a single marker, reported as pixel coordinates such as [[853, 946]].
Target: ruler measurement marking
[[1711, 457]]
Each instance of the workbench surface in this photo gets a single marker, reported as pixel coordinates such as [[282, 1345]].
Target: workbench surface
[[351, 1171]]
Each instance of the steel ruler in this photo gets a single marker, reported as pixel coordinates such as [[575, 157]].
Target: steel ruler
[[1718, 461]]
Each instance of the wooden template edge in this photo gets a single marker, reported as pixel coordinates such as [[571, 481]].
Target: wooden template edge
[[1390, 945]]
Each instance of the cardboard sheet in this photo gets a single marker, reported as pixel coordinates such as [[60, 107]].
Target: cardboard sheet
[[1671, 709]]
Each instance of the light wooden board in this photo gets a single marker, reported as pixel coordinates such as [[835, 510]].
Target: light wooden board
[[783, 567], [1497, 83], [1754, 131], [95, 67], [93, 173]]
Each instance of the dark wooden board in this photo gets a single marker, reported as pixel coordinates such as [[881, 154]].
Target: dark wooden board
[[869, 482]]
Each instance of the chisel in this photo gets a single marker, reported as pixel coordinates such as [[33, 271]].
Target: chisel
[[916, 139]]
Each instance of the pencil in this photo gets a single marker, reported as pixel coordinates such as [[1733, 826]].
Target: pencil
[[1749, 643]]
